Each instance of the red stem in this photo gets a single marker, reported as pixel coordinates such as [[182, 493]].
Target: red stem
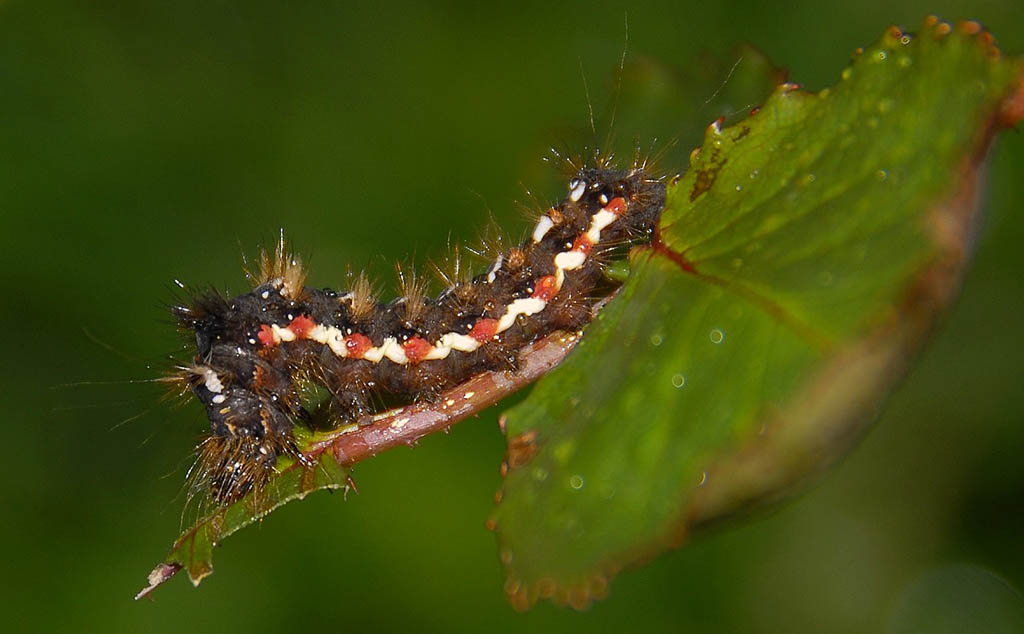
[[406, 425]]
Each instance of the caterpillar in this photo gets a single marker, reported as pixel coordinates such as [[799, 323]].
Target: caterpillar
[[254, 353]]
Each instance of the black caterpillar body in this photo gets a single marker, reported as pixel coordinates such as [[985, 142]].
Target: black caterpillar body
[[254, 351]]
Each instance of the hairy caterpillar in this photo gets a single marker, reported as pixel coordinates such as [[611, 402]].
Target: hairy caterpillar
[[255, 352]]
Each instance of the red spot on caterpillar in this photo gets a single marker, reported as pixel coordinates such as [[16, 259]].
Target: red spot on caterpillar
[[266, 335], [616, 205], [416, 348], [301, 326], [582, 244], [484, 329], [357, 345], [546, 288]]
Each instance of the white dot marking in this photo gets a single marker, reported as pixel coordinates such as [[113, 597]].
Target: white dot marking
[[543, 226], [494, 269], [570, 260], [211, 380], [577, 191]]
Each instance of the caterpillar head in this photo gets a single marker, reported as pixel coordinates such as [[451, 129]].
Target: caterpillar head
[[250, 403]]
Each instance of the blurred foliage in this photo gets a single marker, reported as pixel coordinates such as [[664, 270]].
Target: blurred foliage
[[148, 142]]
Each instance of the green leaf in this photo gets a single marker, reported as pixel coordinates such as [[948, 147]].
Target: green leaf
[[193, 550], [801, 261]]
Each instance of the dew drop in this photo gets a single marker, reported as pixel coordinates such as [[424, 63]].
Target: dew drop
[[882, 56], [717, 336], [881, 175], [678, 380], [540, 474], [739, 188], [576, 482], [656, 339], [755, 174]]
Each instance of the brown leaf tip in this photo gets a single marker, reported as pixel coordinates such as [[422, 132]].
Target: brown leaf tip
[[160, 574], [521, 449], [578, 596], [1012, 111]]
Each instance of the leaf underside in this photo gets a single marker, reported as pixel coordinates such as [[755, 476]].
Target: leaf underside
[[800, 263]]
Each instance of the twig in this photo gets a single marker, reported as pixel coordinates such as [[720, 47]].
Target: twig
[[406, 425]]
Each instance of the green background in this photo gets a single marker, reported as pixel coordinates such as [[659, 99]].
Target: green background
[[147, 142]]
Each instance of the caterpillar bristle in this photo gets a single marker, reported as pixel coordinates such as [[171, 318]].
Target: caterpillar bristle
[[178, 388], [362, 296], [564, 161], [231, 467], [192, 312], [515, 260], [503, 357], [572, 312], [350, 405], [456, 278], [533, 210], [280, 268], [650, 161], [450, 271], [491, 242], [413, 293], [284, 355], [603, 160], [570, 163]]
